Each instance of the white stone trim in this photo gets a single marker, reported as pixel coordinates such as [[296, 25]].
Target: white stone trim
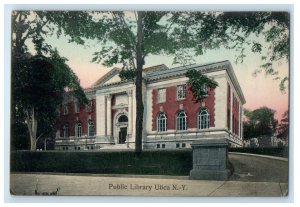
[[100, 115], [231, 109], [108, 115]]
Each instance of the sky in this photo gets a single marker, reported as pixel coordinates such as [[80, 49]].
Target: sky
[[260, 90]]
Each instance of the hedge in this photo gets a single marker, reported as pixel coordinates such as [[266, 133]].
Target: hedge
[[164, 162], [155, 162]]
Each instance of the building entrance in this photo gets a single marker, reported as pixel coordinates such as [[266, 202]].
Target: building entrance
[[122, 135]]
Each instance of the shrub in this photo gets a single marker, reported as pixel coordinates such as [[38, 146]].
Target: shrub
[[167, 162]]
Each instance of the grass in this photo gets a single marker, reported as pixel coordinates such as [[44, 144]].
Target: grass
[[272, 151]]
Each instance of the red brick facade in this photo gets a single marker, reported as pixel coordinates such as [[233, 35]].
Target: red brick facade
[[71, 118], [171, 107]]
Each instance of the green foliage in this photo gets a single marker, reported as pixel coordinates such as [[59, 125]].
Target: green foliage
[[171, 162], [19, 136], [38, 80], [199, 83], [283, 126], [128, 37], [260, 122], [127, 75], [234, 31]]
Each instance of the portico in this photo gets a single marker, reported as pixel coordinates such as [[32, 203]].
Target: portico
[[115, 127]]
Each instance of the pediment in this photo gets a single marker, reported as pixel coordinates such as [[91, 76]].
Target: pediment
[[109, 78]]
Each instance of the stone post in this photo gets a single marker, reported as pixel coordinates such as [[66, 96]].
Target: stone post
[[210, 159]]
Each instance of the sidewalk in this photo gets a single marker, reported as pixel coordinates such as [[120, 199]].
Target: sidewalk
[[78, 184]]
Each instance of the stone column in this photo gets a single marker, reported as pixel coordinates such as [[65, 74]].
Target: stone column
[[108, 115], [129, 130], [210, 159], [101, 115]]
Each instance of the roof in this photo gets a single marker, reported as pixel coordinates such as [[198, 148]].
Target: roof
[[158, 72]]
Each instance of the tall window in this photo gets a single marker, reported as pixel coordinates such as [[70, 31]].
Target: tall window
[[65, 131], [78, 129], [203, 119], [91, 128], [89, 106], [204, 88], [161, 122], [76, 107], [161, 95], [181, 92], [181, 121], [65, 109]]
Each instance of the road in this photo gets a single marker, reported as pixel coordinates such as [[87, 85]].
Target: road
[[258, 169]]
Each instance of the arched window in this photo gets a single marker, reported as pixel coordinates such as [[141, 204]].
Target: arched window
[[123, 118], [65, 131], [203, 119], [91, 128], [161, 122], [78, 129], [181, 121]]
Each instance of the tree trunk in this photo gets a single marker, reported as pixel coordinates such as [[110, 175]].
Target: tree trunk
[[138, 85], [32, 128]]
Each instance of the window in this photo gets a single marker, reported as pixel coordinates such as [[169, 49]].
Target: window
[[76, 107], [204, 88], [181, 121], [158, 146], [203, 119], [77, 129], [89, 106], [161, 95], [65, 131], [91, 128], [163, 146], [177, 145], [181, 91], [183, 145], [161, 122], [123, 118], [65, 109]]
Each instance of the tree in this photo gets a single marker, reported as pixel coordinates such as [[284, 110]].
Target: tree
[[260, 122], [38, 81], [283, 126], [236, 31], [127, 38]]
